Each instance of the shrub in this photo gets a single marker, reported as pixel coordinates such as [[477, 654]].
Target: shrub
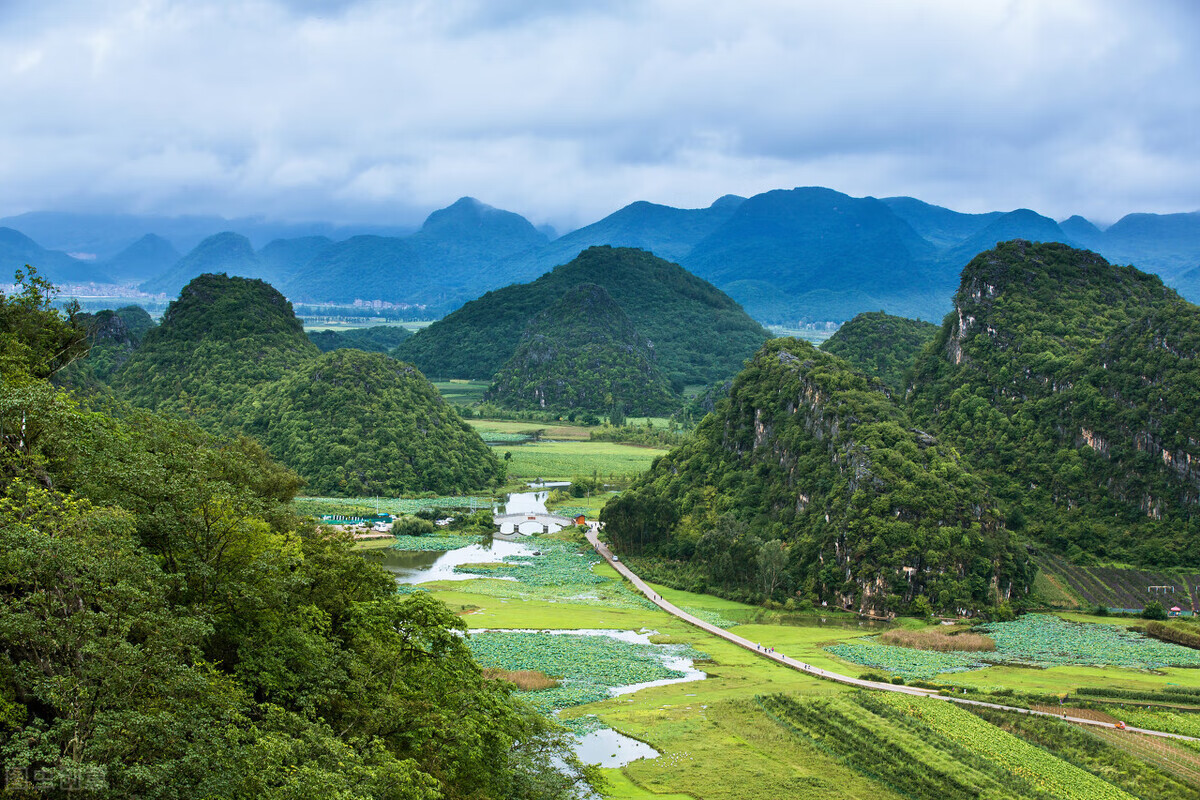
[[1154, 610]]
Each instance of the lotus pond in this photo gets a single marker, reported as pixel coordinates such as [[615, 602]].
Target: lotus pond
[[591, 664], [1038, 640]]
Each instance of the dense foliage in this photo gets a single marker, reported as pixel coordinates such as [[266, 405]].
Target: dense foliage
[[355, 423], [881, 345], [583, 354], [222, 338], [1071, 386], [809, 479], [377, 339], [699, 334], [169, 628], [112, 338], [232, 356]]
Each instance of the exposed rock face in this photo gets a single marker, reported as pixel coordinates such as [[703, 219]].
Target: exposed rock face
[[873, 511], [1070, 384]]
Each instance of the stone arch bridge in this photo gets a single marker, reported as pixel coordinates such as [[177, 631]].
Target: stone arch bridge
[[513, 524]]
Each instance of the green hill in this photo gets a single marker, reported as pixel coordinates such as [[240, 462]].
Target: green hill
[[809, 479], [361, 424], [881, 345], [223, 337], [700, 335], [376, 339], [1071, 386], [583, 354]]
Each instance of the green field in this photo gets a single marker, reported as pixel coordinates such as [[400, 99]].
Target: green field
[[532, 429], [562, 460], [717, 738], [460, 392]]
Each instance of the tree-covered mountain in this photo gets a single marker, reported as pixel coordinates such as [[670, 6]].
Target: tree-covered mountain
[[363, 424], [1019, 224], [231, 355], [699, 334], [148, 257], [228, 252], [1070, 385], [881, 345], [170, 628], [450, 260], [17, 250], [112, 338], [376, 339], [810, 479], [583, 354], [222, 338]]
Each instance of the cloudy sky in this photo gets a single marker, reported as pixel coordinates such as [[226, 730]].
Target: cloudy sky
[[564, 110]]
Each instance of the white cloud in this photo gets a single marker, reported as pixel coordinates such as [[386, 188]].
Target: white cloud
[[565, 111]]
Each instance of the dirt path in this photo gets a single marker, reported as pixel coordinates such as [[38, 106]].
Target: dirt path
[[784, 660]]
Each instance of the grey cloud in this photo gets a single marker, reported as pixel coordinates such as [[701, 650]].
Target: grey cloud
[[381, 111]]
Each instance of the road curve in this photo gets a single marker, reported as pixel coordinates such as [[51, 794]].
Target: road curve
[[779, 658]]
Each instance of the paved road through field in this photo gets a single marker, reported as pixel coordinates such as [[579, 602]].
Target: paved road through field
[[784, 660]]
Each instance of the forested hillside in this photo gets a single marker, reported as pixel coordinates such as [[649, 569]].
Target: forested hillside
[[222, 338], [583, 353], [112, 338], [1071, 385], [364, 424], [699, 334], [376, 339], [809, 479], [169, 628], [881, 345]]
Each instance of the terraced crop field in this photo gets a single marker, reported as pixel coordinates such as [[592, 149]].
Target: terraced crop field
[[1116, 587]]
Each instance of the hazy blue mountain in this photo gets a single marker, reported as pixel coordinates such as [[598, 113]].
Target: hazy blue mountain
[[1168, 244], [1081, 230], [228, 252], [818, 253], [450, 260], [940, 226], [148, 257], [17, 250], [1188, 285], [283, 258], [668, 232], [105, 235]]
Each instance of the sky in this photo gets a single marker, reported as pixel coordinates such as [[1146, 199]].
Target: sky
[[380, 111]]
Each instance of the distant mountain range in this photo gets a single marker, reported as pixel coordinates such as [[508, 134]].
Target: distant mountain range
[[804, 254]]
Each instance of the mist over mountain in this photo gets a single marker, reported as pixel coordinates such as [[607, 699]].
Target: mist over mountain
[[17, 250], [148, 257], [787, 256], [226, 252], [449, 261], [105, 235]]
